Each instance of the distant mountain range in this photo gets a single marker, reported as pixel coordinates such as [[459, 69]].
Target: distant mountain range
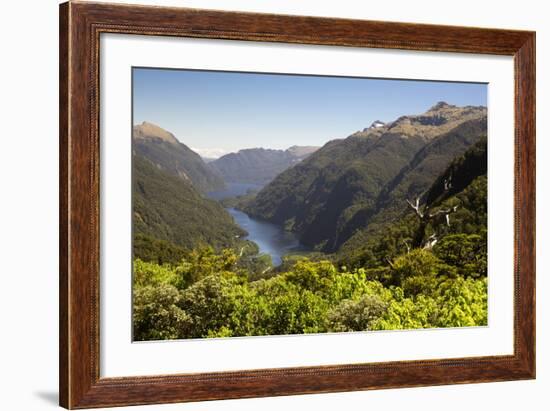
[[347, 184], [162, 148], [258, 165]]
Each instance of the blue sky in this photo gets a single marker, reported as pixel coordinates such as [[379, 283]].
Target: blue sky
[[219, 112]]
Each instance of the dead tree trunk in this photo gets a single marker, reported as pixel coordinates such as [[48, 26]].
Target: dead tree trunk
[[426, 217]]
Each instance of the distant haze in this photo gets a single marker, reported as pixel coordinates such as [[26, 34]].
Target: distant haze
[[211, 152], [215, 113]]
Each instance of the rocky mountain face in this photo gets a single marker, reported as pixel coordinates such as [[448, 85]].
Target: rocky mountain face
[[439, 119], [162, 148], [343, 187], [258, 165], [151, 132]]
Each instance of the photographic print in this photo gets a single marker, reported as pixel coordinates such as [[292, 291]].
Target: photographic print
[[240, 193], [279, 204]]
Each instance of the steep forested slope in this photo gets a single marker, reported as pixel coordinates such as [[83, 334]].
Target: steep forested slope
[[164, 150], [431, 160], [460, 192], [167, 208], [341, 187], [415, 178]]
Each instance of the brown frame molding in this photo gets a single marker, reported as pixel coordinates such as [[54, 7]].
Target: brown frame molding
[[80, 27]]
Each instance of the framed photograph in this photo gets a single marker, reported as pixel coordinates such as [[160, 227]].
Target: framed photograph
[[259, 205]]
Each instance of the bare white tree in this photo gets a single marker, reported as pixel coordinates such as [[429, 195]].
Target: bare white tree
[[438, 217], [430, 242], [406, 243], [416, 207], [445, 212]]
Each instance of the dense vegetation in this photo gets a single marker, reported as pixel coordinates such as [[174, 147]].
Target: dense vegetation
[[394, 230], [170, 209], [397, 215], [152, 249], [208, 295], [380, 284]]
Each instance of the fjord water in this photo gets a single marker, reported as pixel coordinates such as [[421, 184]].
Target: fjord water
[[233, 190], [271, 238]]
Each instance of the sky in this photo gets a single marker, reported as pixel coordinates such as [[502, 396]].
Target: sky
[[215, 113]]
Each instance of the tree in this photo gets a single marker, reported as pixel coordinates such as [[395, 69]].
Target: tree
[[151, 274], [417, 263], [467, 252], [210, 305], [207, 295], [156, 315], [462, 302], [205, 261], [427, 216], [358, 315]]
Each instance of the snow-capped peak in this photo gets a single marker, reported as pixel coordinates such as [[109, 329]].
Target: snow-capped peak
[[377, 124]]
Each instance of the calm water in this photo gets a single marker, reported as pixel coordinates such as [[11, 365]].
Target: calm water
[[271, 238], [233, 190]]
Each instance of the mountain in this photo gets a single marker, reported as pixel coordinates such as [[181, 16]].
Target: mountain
[[439, 119], [169, 208], [460, 173], [429, 161], [258, 165], [340, 188], [301, 152], [416, 177], [463, 183], [168, 154]]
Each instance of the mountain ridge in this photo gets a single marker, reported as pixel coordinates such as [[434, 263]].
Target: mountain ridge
[[337, 189], [147, 130], [258, 165], [440, 118], [162, 148]]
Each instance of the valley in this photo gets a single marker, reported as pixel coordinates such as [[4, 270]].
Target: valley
[[340, 237], [271, 239]]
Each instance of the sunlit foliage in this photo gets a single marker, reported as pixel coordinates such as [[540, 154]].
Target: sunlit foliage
[[206, 294]]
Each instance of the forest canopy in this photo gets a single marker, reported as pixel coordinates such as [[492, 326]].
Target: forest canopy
[[208, 295]]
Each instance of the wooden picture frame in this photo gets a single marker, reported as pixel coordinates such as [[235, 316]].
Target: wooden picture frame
[[80, 27]]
